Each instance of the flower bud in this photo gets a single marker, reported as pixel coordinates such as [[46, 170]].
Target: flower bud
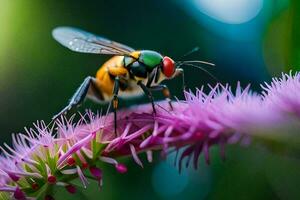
[[121, 168], [96, 172], [71, 161], [51, 179], [34, 186], [71, 189], [19, 195]]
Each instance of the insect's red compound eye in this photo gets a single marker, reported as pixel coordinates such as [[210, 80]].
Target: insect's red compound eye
[[168, 67]]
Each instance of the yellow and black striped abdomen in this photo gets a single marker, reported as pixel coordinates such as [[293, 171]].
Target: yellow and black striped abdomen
[[105, 75]]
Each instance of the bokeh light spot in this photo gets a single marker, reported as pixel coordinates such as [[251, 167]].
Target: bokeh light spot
[[166, 180], [230, 11]]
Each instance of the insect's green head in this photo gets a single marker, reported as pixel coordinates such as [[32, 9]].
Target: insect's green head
[[153, 59], [150, 58]]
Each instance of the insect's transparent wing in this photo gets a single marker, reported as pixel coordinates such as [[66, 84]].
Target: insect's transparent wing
[[82, 41]]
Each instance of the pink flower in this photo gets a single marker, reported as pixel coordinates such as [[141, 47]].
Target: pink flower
[[57, 155]]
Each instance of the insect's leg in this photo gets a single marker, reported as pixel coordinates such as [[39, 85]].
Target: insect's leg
[[115, 101], [165, 91], [78, 97], [151, 78], [148, 93]]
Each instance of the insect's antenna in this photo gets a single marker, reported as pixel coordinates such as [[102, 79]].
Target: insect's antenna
[[197, 66], [195, 49], [196, 61]]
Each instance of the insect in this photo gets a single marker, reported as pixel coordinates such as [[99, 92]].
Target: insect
[[129, 73]]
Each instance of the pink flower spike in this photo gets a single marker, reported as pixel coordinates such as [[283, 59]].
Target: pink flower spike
[[201, 121]]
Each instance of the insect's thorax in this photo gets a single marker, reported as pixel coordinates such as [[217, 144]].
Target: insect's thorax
[[149, 58], [141, 64]]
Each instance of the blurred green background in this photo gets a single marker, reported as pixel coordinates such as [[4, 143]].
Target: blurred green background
[[248, 40]]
